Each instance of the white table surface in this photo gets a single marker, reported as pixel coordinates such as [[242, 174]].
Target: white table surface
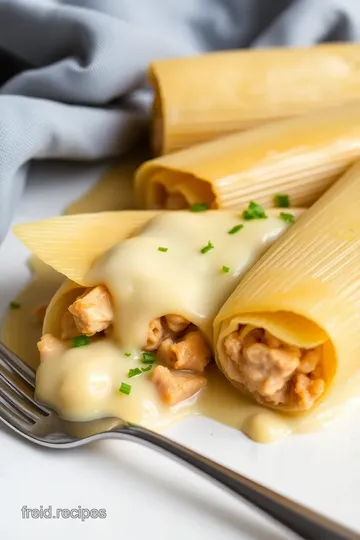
[[144, 494]]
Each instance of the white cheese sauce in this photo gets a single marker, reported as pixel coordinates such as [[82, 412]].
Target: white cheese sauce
[[146, 283]]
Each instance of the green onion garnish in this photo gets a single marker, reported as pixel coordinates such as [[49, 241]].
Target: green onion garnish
[[207, 248], [14, 305], [235, 229], [134, 372], [225, 269], [199, 207], [125, 388], [282, 201], [254, 211], [163, 249], [80, 341], [127, 354], [148, 358], [147, 368], [288, 218]]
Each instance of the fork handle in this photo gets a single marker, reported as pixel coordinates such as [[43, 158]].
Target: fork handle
[[301, 520]]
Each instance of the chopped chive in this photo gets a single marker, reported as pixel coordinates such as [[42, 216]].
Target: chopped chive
[[147, 368], [282, 200], [14, 305], [134, 372], [148, 358], [125, 388], [127, 354], [163, 249], [225, 269], [207, 248], [80, 341], [199, 207], [254, 211], [288, 218], [235, 229]]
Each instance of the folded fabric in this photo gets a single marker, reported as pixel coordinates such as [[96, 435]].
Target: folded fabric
[[73, 72]]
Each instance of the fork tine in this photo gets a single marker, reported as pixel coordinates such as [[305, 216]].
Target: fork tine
[[24, 391], [12, 418], [13, 400], [8, 358]]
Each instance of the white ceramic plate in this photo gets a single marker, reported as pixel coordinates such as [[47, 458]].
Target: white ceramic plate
[[145, 495]]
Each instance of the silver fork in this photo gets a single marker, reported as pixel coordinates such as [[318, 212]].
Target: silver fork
[[20, 410]]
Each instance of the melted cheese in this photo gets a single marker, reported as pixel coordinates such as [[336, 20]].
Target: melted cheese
[[145, 283], [83, 383]]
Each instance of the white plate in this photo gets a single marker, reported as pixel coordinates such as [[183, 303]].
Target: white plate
[[144, 494]]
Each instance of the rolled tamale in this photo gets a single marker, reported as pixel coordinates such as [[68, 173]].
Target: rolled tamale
[[301, 157], [205, 97], [288, 336]]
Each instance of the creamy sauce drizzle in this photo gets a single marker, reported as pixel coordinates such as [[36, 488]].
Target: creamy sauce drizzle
[[97, 379], [83, 383], [146, 283]]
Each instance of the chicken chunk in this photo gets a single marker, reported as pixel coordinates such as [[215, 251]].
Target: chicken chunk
[[176, 387], [48, 344], [176, 323], [308, 390], [267, 370], [192, 352], [155, 335], [234, 343], [309, 361], [68, 326], [275, 371], [93, 311]]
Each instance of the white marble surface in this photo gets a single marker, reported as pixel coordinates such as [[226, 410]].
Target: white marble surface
[[146, 495]]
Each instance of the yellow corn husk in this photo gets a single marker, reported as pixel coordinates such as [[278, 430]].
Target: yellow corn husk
[[299, 156], [204, 97], [306, 290], [71, 244]]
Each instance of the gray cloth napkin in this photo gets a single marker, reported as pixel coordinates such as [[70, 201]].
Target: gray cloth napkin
[[72, 73]]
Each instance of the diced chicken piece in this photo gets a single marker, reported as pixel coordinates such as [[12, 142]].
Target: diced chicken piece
[[267, 370], [176, 387], [192, 352], [49, 345], [274, 370], [155, 335], [255, 336], [308, 390], [309, 361], [165, 353], [233, 346], [176, 323], [93, 311], [68, 326], [39, 312], [234, 342]]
